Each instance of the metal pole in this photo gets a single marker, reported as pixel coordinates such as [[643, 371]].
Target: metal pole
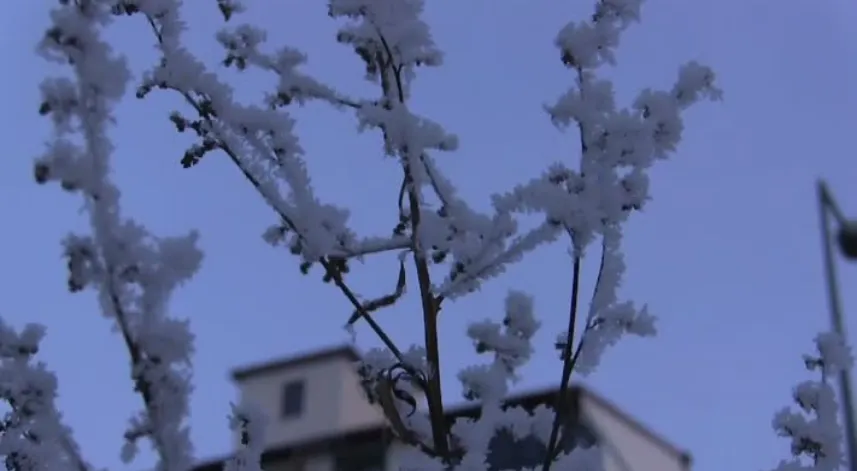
[[825, 201]]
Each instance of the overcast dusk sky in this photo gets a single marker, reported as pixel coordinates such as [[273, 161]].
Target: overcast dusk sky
[[727, 254]]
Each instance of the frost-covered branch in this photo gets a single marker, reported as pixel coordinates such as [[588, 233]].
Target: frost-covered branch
[[132, 272], [260, 142], [242, 45], [392, 40], [436, 229], [509, 342], [249, 421], [435, 226], [32, 435], [618, 146], [814, 430]]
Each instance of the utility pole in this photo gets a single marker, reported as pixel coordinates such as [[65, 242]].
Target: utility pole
[[847, 243]]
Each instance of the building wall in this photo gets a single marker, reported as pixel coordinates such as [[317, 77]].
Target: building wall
[[394, 458], [333, 403], [355, 410], [326, 461], [319, 463], [625, 448], [321, 405]]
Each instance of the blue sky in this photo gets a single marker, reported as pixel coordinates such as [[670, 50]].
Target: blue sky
[[727, 254]]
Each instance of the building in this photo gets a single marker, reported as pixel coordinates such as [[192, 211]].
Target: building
[[322, 421]]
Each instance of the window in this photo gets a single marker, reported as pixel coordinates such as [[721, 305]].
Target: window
[[286, 464], [361, 457], [293, 399]]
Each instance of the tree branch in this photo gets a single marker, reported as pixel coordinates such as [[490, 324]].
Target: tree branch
[[430, 304], [567, 366], [386, 300]]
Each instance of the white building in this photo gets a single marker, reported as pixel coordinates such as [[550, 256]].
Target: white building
[[320, 420]]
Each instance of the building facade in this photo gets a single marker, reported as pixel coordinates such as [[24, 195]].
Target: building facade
[[321, 420]]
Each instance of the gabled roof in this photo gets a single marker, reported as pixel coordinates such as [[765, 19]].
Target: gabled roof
[[547, 396], [634, 424], [341, 351]]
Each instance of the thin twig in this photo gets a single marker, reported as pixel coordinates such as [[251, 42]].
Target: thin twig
[[468, 274], [567, 365], [570, 361], [386, 300]]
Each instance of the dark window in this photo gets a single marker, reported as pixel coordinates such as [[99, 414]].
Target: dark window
[[285, 464], [293, 399], [364, 457]]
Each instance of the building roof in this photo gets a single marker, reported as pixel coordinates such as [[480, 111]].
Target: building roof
[[377, 433], [341, 351]]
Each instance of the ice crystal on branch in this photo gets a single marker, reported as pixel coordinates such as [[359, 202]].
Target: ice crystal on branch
[[32, 435], [133, 272], [509, 341], [608, 319], [589, 200], [510, 344], [242, 45], [387, 35], [618, 146], [814, 429], [249, 422], [435, 226], [259, 140]]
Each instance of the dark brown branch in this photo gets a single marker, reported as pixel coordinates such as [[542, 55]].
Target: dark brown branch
[[430, 304], [430, 309], [568, 362], [567, 366]]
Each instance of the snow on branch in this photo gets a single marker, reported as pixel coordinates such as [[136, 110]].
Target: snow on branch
[[509, 342], [259, 140], [813, 429], [393, 40], [249, 422], [608, 319], [618, 145], [32, 435], [133, 272], [242, 45], [387, 34]]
